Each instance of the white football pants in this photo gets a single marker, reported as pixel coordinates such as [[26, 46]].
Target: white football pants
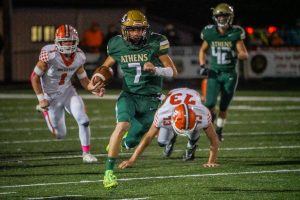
[[70, 101]]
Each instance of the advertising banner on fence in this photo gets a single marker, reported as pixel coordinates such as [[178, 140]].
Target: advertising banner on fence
[[275, 63]]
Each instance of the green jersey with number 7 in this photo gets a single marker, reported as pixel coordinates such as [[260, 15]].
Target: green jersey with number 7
[[131, 59]]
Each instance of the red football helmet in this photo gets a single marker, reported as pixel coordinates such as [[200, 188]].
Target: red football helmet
[[65, 33], [183, 120]]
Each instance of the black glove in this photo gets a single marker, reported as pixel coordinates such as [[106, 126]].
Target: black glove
[[203, 71]]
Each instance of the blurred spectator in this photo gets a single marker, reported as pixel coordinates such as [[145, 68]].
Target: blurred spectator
[[1, 43], [254, 40], [171, 33], [111, 32], [294, 33], [276, 40], [93, 39], [263, 36]]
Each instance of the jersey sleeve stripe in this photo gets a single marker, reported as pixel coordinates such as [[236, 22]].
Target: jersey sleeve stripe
[[155, 122], [165, 42]]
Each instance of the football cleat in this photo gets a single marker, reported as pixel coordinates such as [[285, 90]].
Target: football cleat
[[219, 132], [169, 147], [110, 180], [189, 153], [89, 158]]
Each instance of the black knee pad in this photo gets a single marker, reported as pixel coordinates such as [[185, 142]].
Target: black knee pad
[[86, 124], [193, 142], [161, 144]]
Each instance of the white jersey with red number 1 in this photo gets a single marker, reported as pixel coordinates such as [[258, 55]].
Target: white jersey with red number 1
[[182, 96], [60, 71]]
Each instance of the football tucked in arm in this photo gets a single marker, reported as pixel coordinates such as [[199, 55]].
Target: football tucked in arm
[[103, 74]]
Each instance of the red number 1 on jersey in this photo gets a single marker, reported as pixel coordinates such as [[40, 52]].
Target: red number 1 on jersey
[[62, 79]]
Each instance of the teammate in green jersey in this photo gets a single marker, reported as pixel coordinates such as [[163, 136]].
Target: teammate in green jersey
[[143, 58], [226, 45]]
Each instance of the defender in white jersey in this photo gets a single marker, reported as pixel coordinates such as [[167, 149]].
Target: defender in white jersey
[[51, 81], [183, 114]]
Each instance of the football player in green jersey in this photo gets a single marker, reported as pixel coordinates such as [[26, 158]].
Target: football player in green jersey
[[144, 60], [226, 45]]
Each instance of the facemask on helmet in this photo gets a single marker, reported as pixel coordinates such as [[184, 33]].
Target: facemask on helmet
[[223, 15], [66, 33], [183, 120], [134, 21]]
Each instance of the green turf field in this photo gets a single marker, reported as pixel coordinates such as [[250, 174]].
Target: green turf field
[[259, 159]]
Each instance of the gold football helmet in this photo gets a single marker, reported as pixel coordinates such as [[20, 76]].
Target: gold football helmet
[[134, 20], [223, 15]]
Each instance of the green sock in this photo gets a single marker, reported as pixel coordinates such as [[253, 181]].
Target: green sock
[[110, 163]]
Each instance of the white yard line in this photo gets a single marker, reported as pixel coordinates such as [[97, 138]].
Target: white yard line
[[135, 198], [114, 97], [112, 119], [264, 108], [54, 197], [40, 158], [106, 138], [157, 177], [293, 122], [46, 129], [4, 193], [48, 140]]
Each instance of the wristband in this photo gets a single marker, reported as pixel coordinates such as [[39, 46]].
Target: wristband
[[40, 97], [38, 71], [82, 75]]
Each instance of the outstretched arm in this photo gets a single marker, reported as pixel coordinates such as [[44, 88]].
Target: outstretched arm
[[214, 144], [202, 53], [242, 51], [141, 147], [39, 70]]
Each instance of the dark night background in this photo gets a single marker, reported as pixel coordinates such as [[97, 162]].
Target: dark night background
[[195, 13]]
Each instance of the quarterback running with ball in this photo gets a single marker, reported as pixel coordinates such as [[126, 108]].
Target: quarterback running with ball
[[144, 60]]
